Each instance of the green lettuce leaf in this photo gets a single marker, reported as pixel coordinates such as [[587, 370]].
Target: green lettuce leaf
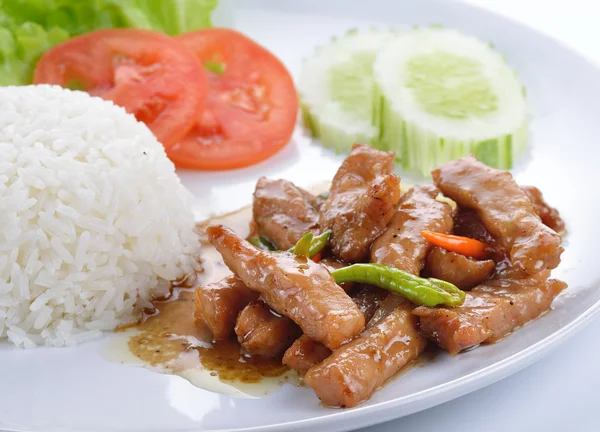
[[28, 28], [171, 17], [20, 48]]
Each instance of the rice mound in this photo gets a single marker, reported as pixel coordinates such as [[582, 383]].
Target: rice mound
[[93, 218]]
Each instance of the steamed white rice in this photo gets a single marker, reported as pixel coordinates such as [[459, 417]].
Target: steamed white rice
[[93, 218]]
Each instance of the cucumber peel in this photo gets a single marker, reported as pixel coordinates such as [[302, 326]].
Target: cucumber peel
[[428, 94], [337, 90], [445, 95]]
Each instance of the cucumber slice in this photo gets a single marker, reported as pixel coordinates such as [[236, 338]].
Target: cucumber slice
[[336, 88], [444, 95]]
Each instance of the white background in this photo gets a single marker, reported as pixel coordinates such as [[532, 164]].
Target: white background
[[559, 393], [556, 394]]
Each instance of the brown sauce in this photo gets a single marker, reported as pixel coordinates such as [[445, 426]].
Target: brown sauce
[[170, 331], [225, 360], [168, 338]]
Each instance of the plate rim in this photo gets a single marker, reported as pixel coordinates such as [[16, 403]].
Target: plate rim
[[444, 392], [433, 396], [368, 415]]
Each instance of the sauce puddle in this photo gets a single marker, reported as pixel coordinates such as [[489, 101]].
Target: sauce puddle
[[169, 340]]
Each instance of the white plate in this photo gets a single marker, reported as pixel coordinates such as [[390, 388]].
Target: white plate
[[74, 389]]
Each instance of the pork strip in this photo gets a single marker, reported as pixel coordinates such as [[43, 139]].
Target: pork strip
[[306, 353], [362, 200], [294, 286], [468, 224], [491, 311], [283, 327], [263, 332], [504, 209], [353, 372], [368, 299], [283, 212], [217, 304], [402, 245], [332, 264], [462, 271], [549, 215]]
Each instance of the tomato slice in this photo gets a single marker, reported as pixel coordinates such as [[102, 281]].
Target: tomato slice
[[151, 75], [251, 107]]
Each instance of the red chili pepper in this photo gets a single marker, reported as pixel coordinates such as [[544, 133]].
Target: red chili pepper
[[461, 245]]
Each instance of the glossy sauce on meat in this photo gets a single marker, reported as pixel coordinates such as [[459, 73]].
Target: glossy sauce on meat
[[284, 212], [364, 357], [491, 311], [462, 271], [263, 332], [362, 200], [171, 340], [169, 334], [402, 245], [218, 304], [306, 353], [353, 372], [549, 215], [294, 286], [468, 224], [504, 209], [368, 299]]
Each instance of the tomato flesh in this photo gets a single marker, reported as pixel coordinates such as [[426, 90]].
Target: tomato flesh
[[251, 107], [152, 76]]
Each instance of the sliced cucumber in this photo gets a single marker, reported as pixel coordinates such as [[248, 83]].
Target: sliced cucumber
[[444, 95], [336, 88]]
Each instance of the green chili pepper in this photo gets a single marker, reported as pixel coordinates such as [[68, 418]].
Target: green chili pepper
[[427, 292], [309, 245], [303, 245], [319, 242], [316, 244], [261, 243]]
